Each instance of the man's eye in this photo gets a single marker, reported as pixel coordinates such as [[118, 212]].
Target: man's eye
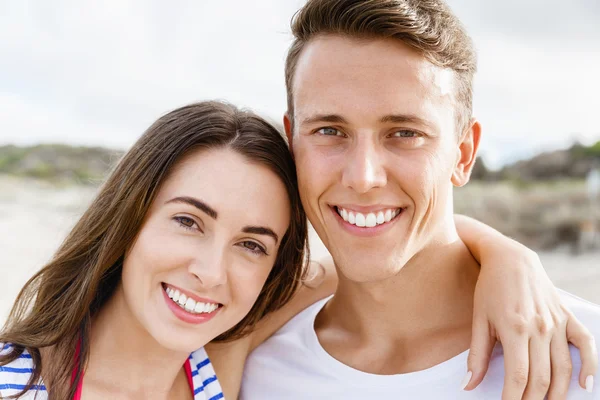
[[329, 132], [406, 134]]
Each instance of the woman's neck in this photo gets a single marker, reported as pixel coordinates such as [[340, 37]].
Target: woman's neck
[[122, 350]]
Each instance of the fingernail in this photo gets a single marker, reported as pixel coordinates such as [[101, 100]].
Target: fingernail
[[589, 384], [467, 379]]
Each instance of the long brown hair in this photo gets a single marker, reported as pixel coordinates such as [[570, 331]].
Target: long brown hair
[[55, 308]]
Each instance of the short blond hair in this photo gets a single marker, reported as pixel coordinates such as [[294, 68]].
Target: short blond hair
[[428, 26]]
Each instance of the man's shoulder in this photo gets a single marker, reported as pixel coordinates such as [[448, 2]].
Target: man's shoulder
[[300, 319], [320, 283], [305, 318]]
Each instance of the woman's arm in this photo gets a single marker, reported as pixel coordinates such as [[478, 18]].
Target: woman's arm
[[517, 304]]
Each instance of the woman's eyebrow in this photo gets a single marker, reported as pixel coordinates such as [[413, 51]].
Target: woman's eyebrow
[[199, 204], [261, 230]]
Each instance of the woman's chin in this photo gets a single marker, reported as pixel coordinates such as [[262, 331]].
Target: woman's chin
[[181, 343]]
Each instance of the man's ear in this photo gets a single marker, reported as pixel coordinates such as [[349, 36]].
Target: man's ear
[[467, 151], [289, 131]]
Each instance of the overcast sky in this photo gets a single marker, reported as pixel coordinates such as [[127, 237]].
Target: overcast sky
[[99, 72]]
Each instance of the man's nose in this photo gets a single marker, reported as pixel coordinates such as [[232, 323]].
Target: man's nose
[[364, 169], [210, 269]]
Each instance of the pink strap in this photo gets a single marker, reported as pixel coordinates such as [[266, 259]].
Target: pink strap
[[188, 374], [77, 395]]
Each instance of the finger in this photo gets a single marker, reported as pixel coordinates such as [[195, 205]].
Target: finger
[[516, 366], [584, 341], [539, 368], [480, 351], [561, 368]]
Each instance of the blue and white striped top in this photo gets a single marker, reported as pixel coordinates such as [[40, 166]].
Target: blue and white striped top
[[14, 377]]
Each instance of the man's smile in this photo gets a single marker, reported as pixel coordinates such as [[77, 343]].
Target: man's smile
[[367, 219]]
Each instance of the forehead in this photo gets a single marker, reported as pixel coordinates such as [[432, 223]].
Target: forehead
[[341, 74], [241, 191]]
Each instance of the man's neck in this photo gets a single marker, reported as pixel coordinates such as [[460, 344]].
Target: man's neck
[[412, 321]]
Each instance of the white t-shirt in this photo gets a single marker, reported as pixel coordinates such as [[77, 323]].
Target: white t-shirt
[[292, 365]]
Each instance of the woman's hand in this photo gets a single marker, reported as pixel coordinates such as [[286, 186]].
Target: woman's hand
[[517, 304]]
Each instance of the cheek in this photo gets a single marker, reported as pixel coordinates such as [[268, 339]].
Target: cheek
[[153, 252], [432, 167], [430, 181], [247, 282], [316, 166], [417, 173]]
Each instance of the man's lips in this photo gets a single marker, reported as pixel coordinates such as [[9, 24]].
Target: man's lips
[[368, 217]]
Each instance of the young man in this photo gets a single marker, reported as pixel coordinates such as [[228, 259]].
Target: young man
[[379, 122]]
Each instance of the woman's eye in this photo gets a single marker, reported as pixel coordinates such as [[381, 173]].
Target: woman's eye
[[329, 132], [254, 247], [186, 222], [405, 134]]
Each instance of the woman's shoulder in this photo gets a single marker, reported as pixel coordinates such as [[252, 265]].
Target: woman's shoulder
[[15, 375]]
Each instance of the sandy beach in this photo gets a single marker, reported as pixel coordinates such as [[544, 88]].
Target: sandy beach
[[35, 216]]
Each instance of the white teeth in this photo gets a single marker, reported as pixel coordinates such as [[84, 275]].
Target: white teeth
[[360, 220], [380, 218], [189, 304], [371, 220], [388, 215]]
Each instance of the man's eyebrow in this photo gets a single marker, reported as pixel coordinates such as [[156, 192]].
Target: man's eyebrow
[[199, 204], [261, 230], [393, 118], [402, 119], [332, 118]]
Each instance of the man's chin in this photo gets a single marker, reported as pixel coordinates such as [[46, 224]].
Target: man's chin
[[369, 269]]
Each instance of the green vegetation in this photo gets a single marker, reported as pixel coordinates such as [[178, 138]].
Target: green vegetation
[[573, 163], [593, 151], [58, 163]]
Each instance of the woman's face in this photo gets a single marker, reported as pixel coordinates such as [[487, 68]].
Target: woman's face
[[205, 249]]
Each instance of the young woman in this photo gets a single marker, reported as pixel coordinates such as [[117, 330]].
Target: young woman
[[196, 236]]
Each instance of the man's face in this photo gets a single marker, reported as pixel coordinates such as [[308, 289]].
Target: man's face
[[377, 151]]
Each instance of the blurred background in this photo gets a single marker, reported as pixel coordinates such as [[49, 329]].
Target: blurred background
[[80, 81]]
